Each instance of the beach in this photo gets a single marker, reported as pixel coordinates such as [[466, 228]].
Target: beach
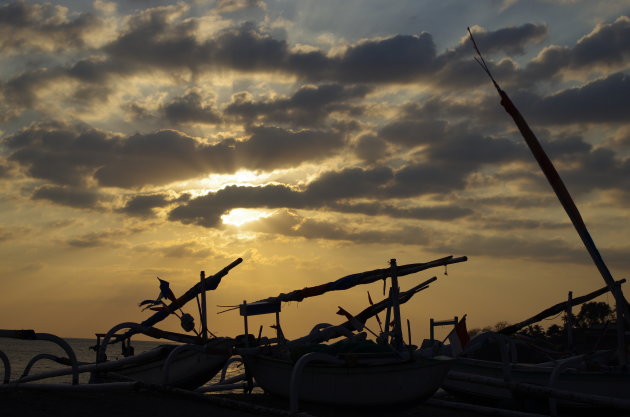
[[20, 403]]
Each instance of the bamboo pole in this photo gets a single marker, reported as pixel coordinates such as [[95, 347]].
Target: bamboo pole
[[569, 321], [181, 301], [397, 339], [204, 311], [366, 278], [556, 309], [544, 391], [332, 332], [560, 190]]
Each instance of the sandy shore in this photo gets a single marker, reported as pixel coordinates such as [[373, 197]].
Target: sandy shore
[[177, 404]]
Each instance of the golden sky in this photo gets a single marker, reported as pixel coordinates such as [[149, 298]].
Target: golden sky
[[312, 139]]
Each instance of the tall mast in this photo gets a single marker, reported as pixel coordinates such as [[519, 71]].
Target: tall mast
[[559, 188]]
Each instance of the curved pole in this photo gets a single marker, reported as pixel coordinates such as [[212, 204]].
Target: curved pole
[[39, 357], [296, 375], [560, 367], [135, 328], [7, 367], [315, 330], [225, 367], [171, 357], [67, 348]]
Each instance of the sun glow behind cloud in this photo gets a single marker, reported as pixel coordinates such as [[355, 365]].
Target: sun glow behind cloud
[[238, 217], [216, 182]]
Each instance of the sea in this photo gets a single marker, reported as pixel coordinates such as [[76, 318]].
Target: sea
[[21, 352]]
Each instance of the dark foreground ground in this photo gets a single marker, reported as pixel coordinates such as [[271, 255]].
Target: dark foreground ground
[[154, 403], [159, 402]]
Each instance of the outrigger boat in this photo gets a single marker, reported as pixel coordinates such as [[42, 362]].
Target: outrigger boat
[[518, 371], [189, 364], [355, 371], [599, 378]]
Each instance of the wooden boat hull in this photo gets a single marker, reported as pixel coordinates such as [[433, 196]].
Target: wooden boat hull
[[359, 385], [603, 383], [189, 369]]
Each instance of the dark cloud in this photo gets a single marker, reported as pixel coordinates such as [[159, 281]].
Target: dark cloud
[[9, 234], [510, 40], [545, 250], [68, 196], [599, 169], [582, 167], [547, 65], [349, 183], [21, 90], [157, 39], [288, 223], [411, 133], [605, 46], [308, 106], [600, 101], [88, 241], [402, 58], [231, 6], [5, 172], [61, 154], [159, 158], [427, 178], [507, 201], [72, 155], [191, 108], [447, 155], [464, 148], [371, 148], [93, 79], [95, 70], [162, 39], [439, 212], [566, 146], [455, 69], [539, 250], [207, 210], [272, 147], [332, 191], [511, 224], [108, 237], [143, 205], [28, 27], [184, 250]]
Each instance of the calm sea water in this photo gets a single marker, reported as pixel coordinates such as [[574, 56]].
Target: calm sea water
[[20, 352]]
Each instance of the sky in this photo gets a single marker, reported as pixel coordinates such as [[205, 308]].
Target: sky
[[143, 139]]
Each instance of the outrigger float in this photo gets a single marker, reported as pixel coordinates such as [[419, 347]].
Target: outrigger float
[[188, 365]]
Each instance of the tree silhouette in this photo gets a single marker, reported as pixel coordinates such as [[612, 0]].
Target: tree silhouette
[[593, 314]]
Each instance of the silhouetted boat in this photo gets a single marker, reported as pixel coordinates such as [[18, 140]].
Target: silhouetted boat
[[190, 364], [599, 378], [354, 372]]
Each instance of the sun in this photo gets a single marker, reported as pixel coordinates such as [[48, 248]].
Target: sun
[[240, 216]]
